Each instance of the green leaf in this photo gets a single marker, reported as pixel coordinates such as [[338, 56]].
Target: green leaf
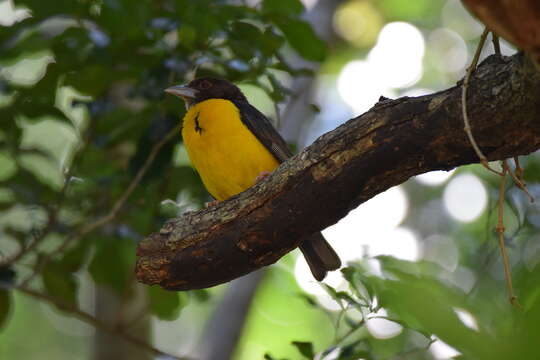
[[74, 258], [166, 305], [331, 291], [270, 42], [60, 283], [93, 79], [246, 31], [29, 189], [404, 10], [315, 108], [39, 100], [278, 91], [200, 295], [353, 351], [427, 305], [305, 348], [7, 277], [113, 261], [267, 356], [42, 9], [187, 35], [286, 7], [17, 234], [310, 300], [5, 307], [302, 38]]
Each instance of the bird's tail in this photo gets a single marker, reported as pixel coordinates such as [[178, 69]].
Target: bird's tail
[[319, 255]]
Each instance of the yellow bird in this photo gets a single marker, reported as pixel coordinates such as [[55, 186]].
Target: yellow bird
[[232, 145]]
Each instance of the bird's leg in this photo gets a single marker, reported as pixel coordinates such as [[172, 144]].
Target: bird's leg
[[263, 175]]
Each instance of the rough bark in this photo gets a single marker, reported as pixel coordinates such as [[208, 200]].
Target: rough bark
[[225, 326], [367, 155]]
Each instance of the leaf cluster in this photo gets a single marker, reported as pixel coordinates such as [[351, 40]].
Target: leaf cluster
[[80, 122]]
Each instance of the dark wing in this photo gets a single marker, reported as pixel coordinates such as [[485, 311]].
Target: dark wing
[[263, 129]]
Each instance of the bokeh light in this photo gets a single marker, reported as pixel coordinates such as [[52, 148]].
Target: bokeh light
[[462, 277], [466, 318], [361, 82], [457, 18], [442, 250], [449, 50], [311, 286], [400, 243], [465, 198], [426, 54], [417, 91], [358, 22], [359, 86], [531, 254], [371, 229], [398, 55], [10, 14], [434, 178], [309, 4], [381, 328], [363, 226], [442, 350]]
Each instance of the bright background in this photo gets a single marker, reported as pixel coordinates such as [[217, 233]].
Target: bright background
[[391, 48]]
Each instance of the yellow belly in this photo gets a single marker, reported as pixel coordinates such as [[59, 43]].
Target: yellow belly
[[226, 154]]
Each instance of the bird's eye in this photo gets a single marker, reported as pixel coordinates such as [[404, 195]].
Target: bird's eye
[[205, 85]]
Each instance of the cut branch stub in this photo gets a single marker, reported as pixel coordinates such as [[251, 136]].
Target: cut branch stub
[[367, 155]]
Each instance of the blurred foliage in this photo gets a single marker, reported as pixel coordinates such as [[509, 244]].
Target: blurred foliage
[[465, 305], [82, 106], [422, 299]]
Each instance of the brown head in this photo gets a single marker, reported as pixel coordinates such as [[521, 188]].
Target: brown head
[[206, 88]]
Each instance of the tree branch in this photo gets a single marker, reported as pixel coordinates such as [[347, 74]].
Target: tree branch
[[90, 227], [91, 320], [382, 148]]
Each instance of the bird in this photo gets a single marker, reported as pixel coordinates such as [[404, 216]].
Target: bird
[[232, 145]]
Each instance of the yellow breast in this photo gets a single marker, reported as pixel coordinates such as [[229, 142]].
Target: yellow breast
[[226, 154]]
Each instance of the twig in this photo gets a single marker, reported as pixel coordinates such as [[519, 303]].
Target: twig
[[39, 235], [134, 319], [467, 126], [517, 176], [496, 43], [500, 231], [91, 320], [120, 203], [520, 184], [333, 162], [278, 115], [519, 169], [345, 336], [413, 350], [85, 230], [53, 213]]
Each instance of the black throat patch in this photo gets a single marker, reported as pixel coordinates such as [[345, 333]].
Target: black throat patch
[[198, 127]]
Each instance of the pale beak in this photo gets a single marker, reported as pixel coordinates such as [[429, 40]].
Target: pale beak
[[183, 91]]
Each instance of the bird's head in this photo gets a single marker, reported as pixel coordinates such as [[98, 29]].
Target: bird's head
[[206, 88]]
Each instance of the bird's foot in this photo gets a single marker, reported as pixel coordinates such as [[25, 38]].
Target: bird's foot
[[263, 175], [211, 203]]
